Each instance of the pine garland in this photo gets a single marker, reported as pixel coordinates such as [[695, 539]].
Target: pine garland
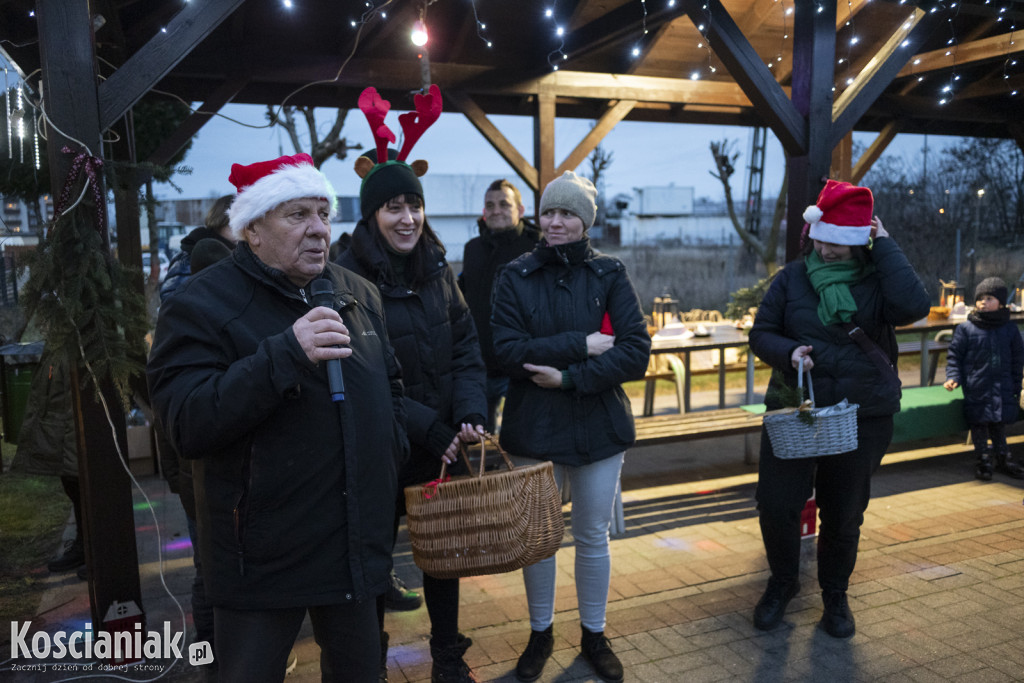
[[84, 303]]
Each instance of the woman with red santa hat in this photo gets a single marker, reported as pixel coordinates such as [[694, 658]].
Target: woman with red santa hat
[[835, 309]]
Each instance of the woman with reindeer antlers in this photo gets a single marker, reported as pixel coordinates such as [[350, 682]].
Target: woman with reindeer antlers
[[433, 335]]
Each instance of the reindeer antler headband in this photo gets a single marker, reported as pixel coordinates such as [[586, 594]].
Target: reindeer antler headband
[[390, 177]]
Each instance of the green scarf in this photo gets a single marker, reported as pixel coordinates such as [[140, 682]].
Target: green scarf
[[832, 283]]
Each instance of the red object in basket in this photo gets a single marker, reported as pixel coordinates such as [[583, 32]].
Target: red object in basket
[[606, 325]]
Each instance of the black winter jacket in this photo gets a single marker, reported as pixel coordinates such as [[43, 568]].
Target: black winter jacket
[[434, 340], [788, 318], [482, 258], [988, 365], [545, 304], [294, 492]]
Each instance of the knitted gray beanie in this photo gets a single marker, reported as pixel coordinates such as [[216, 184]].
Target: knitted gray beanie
[[572, 193]]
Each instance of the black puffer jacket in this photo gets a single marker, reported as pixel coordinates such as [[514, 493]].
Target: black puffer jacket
[[545, 304], [180, 267], [987, 361], [294, 492], [788, 318], [482, 258], [435, 341]]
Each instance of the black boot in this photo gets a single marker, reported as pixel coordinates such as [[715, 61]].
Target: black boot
[[837, 619], [384, 639], [983, 469], [598, 651], [73, 557], [449, 666], [1009, 465], [771, 607], [531, 662]]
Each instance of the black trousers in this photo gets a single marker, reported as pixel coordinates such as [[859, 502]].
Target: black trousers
[[842, 488], [253, 645]]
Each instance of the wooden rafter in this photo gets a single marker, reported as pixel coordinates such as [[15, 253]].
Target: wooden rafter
[[145, 68], [844, 12], [872, 81], [751, 74], [872, 153], [506, 149], [994, 47], [616, 112]]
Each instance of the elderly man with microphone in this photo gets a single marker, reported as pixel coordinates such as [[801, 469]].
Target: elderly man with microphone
[[292, 467]]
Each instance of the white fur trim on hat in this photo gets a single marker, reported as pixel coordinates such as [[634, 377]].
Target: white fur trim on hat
[[812, 214], [849, 235], [287, 182]]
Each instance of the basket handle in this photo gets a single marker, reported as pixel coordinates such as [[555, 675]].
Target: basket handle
[[800, 380], [464, 454]]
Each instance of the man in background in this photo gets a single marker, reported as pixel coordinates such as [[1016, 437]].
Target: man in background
[[504, 235]]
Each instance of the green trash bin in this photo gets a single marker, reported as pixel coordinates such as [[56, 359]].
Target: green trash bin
[[18, 364]]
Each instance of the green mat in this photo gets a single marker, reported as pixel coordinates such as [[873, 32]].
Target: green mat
[[924, 412]]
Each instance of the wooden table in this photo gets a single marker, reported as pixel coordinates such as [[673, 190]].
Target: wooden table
[[723, 336], [926, 326]]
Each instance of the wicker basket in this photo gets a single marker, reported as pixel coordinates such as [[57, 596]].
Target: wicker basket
[[830, 431], [485, 523]]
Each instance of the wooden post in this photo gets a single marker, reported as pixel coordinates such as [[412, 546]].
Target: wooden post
[[814, 48], [69, 85], [544, 144]]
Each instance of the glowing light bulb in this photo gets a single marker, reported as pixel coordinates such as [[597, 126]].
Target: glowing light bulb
[[287, 4], [419, 35]]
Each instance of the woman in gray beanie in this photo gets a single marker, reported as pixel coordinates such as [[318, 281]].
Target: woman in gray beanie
[[569, 329]]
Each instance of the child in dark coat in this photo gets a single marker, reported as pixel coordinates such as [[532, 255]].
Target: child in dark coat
[[986, 358]]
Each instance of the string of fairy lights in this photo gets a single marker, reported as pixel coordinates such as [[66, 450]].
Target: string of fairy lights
[[23, 113]]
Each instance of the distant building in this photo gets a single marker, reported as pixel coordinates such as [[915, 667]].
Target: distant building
[[669, 216], [19, 218]]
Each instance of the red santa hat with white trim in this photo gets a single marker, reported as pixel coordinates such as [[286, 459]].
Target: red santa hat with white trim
[[842, 214], [266, 184]]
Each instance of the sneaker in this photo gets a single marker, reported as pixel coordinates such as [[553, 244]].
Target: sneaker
[[448, 666], [398, 598], [771, 607], [598, 651], [72, 557], [531, 662], [837, 619], [983, 470]]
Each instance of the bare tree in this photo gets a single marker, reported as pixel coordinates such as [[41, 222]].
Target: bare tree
[[321, 148], [766, 247], [600, 160]]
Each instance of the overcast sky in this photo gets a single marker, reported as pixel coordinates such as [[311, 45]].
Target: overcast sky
[[644, 154]]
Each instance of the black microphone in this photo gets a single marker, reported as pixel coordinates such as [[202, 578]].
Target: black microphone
[[322, 291]]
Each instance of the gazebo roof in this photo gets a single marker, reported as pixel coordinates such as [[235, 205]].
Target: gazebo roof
[[262, 52]]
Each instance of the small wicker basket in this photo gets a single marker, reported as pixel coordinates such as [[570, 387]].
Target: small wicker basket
[[829, 431], [485, 523]]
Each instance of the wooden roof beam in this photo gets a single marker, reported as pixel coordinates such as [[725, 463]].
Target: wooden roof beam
[[499, 142], [190, 126], [995, 47], [844, 12], [872, 81], [751, 74], [133, 79], [616, 112], [872, 153]]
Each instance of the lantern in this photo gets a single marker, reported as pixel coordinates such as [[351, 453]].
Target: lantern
[[951, 294], [666, 309]]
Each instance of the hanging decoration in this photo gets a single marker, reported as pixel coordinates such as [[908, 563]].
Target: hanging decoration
[[558, 54]]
